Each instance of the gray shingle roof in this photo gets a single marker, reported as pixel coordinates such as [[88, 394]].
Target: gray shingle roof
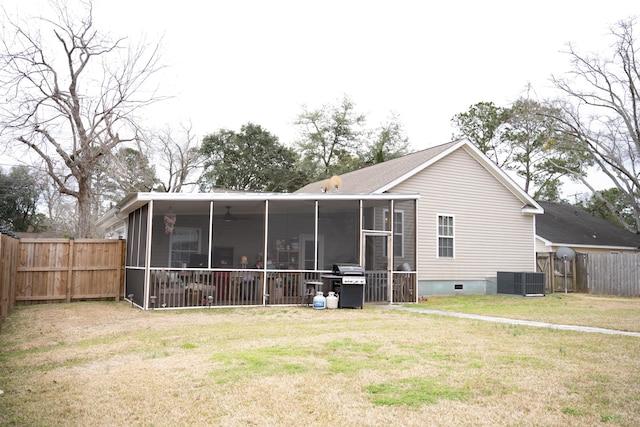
[[374, 178], [571, 225]]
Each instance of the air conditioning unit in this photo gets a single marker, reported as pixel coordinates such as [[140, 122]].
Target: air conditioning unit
[[521, 283]]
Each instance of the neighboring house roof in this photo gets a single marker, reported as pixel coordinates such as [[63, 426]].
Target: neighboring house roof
[[567, 225], [382, 177]]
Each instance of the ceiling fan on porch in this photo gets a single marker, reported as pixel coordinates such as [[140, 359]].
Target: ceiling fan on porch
[[229, 217]]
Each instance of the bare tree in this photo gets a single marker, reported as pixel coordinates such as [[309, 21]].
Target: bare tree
[[603, 114], [60, 208], [177, 158], [70, 94]]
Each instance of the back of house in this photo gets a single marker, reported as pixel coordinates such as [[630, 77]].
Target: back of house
[[472, 220]]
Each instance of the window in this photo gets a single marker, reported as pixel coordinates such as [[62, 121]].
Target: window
[[445, 236], [184, 242], [398, 232]]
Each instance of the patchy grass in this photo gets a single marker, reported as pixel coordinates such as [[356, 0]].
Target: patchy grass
[[105, 364], [570, 309], [412, 392]]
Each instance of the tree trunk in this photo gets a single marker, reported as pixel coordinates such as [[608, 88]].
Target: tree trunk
[[84, 228]]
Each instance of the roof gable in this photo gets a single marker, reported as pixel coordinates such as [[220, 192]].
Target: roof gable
[[569, 225], [383, 177], [375, 178]]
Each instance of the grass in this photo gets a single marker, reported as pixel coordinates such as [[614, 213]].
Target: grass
[[100, 363], [570, 309], [412, 392]]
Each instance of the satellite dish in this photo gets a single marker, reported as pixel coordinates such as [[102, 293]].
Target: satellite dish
[[565, 253]]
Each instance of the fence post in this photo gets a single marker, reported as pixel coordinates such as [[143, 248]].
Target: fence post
[[70, 271], [120, 264], [9, 257], [4, 285]]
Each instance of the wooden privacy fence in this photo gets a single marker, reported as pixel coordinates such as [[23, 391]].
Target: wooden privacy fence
[[616, 273], [611, 273], [51, 270], [554, 270], [9, 256]]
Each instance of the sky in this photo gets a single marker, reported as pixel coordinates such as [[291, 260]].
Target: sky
[[234, 62], [231, 62]]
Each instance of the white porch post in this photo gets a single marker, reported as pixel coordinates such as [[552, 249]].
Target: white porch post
[[390, 251], [416, 232], [315, 238], [363, 239], [147, 257], [210, 251], [264, 256]]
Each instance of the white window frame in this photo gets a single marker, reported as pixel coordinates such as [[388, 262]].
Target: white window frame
[[176, 231], [452, 236], [396, 233]]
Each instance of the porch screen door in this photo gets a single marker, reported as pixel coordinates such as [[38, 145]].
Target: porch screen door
[[308, 249], [376, 266]]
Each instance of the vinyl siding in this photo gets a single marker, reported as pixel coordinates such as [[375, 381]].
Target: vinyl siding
[[491, 233], [542, 247]]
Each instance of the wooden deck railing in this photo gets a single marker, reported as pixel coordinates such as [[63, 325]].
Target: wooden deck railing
[[179, 288], [172, 288]]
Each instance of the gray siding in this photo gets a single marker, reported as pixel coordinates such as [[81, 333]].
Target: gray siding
[[491, 233]]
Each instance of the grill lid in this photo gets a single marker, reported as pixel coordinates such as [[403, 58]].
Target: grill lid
[[347, 270]]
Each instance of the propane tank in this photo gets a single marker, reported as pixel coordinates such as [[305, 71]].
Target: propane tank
[[319, 301], [332, 300]]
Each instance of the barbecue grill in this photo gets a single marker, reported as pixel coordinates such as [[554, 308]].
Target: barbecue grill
[[347, 281]]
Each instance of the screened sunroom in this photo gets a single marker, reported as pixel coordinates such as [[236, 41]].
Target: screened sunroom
[[251, 249]]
